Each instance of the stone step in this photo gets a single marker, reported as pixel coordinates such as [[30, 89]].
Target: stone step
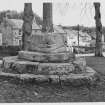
[[15, 65], [89, 77], [46, 57], [47, 42]]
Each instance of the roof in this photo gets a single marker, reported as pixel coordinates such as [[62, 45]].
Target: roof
[[70, 32], [74, 32], [73, 36], [93, 35], [17, 23], [35, 25], [58, 29]]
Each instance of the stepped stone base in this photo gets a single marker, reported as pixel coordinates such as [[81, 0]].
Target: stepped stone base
[[46, 57], [72, 73]]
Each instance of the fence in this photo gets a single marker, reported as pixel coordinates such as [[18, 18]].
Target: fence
[[83, 49]]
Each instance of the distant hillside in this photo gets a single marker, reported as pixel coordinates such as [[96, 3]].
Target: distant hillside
[[17, 15], [88, 30], [82, 28]]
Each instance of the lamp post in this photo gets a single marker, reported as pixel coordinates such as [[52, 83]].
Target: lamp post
[[78, 38]]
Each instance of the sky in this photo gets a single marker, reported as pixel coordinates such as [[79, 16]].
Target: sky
[[65, 12]]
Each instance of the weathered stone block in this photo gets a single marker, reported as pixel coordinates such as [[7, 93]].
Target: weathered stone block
[[46, 57], [54, 79], [56, 68], [41, 78], [80, 64], [8, 60], [48, 43], [22, 67]]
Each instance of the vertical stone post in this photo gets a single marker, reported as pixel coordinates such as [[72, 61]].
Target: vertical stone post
[[47, 17], [27, 25], [98, 49]]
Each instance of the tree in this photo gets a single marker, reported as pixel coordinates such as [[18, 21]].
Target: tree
[[98, 49], [17, 15]]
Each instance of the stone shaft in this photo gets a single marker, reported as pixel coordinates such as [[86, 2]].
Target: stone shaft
[[47, 18], [27, 25]]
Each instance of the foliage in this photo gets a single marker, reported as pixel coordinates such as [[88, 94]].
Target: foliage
[[88, 30], [17, 15]]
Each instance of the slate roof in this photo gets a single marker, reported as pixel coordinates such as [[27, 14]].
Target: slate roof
[[15, 23]]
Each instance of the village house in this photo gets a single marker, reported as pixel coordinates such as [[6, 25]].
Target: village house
[[72, 37], [93, 41], [58, 29], [11, 30], [0, 39]]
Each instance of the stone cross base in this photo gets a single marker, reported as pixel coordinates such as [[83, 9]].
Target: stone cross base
[[72, 73]]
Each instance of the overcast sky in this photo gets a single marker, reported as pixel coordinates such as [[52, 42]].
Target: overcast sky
[[65, 12]]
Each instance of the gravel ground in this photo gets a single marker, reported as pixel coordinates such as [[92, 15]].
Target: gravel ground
[[16, 91], [13, 91]]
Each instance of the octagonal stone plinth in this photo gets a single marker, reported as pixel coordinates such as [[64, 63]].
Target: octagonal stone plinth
[[66, 73]]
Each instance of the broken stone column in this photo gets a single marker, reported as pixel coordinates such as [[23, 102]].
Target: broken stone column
[[47, 18], [27, 25], [98, 50]]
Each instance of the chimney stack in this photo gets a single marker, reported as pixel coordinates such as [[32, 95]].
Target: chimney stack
[[47, 17]]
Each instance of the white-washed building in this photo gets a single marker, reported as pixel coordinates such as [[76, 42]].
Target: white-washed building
[[0, 39], [12, 31]]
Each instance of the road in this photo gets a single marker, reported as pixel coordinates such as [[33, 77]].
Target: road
[[91, 54]]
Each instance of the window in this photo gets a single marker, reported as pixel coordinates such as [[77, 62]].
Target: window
[[20, 31], [35, 30], [20, 42]]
